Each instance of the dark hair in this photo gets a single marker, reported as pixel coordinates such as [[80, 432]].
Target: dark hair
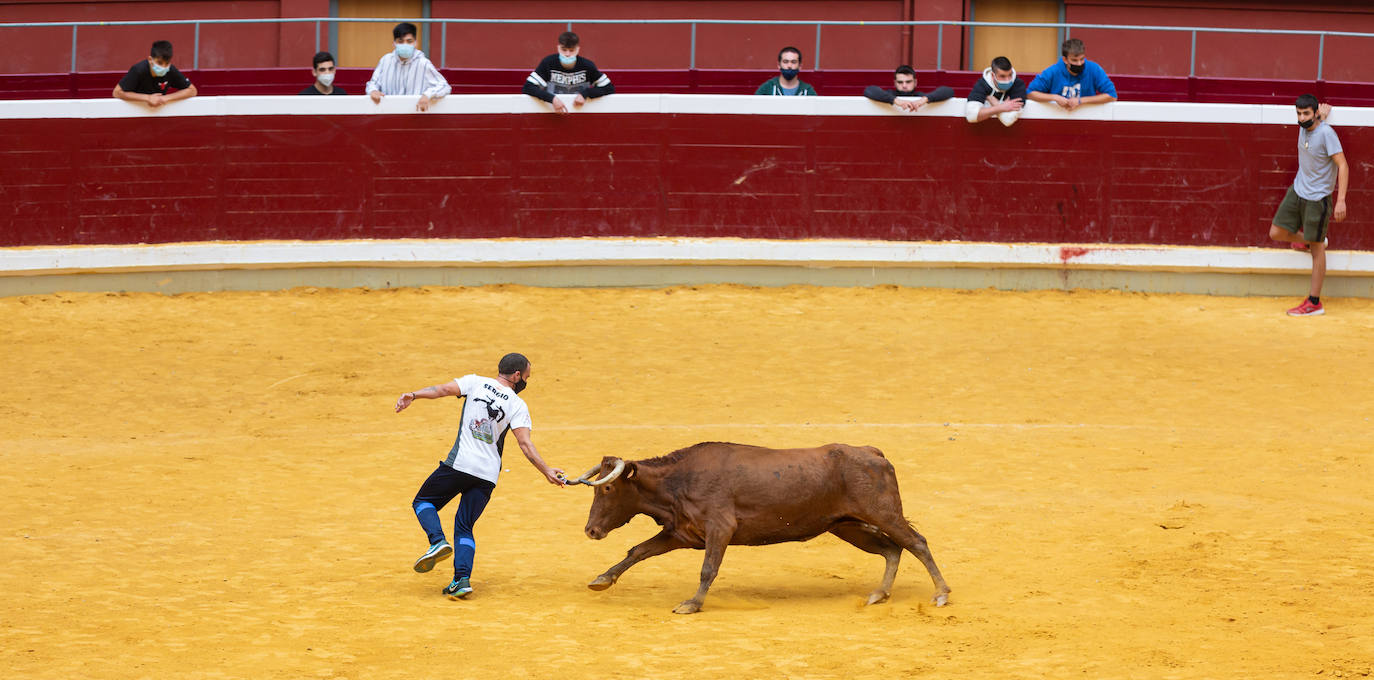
[[1071, 46], [404, 29], [787, 49], [511, 363], [568, 39], [1001, 64], [320, 58], [1308, 101], [905, 70], [162, 49]]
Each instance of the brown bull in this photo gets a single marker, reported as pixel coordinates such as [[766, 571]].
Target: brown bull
[[714, 494]]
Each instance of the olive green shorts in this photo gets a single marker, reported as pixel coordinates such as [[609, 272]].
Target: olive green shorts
[[1299, 215]]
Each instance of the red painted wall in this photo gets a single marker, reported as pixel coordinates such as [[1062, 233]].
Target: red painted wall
[[718, 47], [115, 48], [89, 181], [1228, 55], [47, 50]]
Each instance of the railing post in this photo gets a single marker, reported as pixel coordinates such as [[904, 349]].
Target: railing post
[[1321, 55], [570, 27], [317, 37], [817, 65], [692, 60], [195, 51], [74, 27], [443, 44], [939, 46], [1192, 57]]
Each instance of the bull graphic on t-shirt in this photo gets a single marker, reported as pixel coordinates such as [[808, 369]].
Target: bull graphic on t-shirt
[[494, 412]]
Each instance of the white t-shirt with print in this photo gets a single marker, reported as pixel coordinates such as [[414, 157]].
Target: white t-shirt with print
[[490, 410]]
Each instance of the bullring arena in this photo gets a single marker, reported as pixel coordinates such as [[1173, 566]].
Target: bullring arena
[[205, 477], [1114, 484]]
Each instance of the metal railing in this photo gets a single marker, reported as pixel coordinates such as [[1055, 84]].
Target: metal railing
[[1193, 31]]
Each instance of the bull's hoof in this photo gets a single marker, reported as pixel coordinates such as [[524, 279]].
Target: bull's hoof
[[878, 596], [601, 583], [688, 607], [940, 600]]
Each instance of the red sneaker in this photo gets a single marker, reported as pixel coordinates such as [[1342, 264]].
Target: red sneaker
[[1305, 246], [1307, 309]]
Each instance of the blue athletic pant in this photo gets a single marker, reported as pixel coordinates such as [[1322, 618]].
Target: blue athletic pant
[[443, 484]]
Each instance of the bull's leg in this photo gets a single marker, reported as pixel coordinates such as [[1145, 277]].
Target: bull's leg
[[907, 537], [868, 538], [716, 540], [661, 543]]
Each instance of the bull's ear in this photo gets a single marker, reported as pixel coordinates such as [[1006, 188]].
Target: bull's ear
[[630, 470]]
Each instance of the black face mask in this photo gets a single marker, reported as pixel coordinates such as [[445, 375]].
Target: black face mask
[[789, 73], [1307, 124], [1076, 69], [519, 387]]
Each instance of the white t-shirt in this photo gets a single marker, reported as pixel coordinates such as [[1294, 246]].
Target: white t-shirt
[[490, 409]]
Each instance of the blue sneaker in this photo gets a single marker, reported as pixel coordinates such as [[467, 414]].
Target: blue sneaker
[[459, 589], [436, 552]]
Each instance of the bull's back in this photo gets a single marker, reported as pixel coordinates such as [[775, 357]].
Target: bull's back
[[788, 494]]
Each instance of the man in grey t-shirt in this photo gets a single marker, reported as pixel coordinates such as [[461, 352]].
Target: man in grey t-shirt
[[1307, 209]]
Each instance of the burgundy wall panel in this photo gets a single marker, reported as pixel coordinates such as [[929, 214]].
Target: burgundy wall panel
[[89, 181]]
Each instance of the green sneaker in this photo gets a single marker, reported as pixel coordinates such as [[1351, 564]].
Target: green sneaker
[[459, 589]]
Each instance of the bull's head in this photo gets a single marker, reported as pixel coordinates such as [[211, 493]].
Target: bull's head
[[615, 500]]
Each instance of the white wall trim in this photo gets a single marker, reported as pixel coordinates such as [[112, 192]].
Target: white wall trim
[[562, 252], [706, 104]]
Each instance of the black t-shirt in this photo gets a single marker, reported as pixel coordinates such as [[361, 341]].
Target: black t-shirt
[[312, 90], [140, 79]]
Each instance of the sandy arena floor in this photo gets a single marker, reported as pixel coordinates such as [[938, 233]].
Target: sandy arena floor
[[1115, 485]]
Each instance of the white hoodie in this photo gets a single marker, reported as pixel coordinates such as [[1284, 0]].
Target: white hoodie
[[995, 97]]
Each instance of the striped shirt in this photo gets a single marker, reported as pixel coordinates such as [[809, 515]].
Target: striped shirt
[[416, 75]]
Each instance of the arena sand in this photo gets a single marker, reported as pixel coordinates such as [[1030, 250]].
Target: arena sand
[[1115, 485]]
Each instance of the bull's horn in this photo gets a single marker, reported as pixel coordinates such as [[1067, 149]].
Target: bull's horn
[[586, 477]]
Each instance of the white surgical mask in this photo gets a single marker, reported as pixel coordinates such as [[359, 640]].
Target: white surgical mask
[[567, 62], [326, 79], [405, 51], [160, 71]]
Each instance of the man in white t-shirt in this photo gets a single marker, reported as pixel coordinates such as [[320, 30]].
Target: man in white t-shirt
[[492, 408]]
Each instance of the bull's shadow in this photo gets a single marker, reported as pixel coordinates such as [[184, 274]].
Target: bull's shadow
[[714, 494]]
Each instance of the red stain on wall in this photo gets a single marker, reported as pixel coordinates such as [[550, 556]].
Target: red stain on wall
[[1067, 253]]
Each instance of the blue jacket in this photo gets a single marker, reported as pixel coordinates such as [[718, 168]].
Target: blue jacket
[[1057, 80]]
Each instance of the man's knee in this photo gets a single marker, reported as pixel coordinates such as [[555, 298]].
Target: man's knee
[[1278, 233]]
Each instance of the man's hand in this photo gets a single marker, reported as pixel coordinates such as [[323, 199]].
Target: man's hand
[[912, 105], [1323, 110], [404, 401], [558, 105], [579, 100], [1339, 214], [376, 96], [156, 100], [555, 477], [1072, 103], [1009, 105], [423, 104]]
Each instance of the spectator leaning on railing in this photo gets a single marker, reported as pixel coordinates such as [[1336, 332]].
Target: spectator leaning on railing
[[324, 69], [406, 71], [905, 97], [787, 84], [567, 72], [1073, 81], [147, 81], [998, 93]]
